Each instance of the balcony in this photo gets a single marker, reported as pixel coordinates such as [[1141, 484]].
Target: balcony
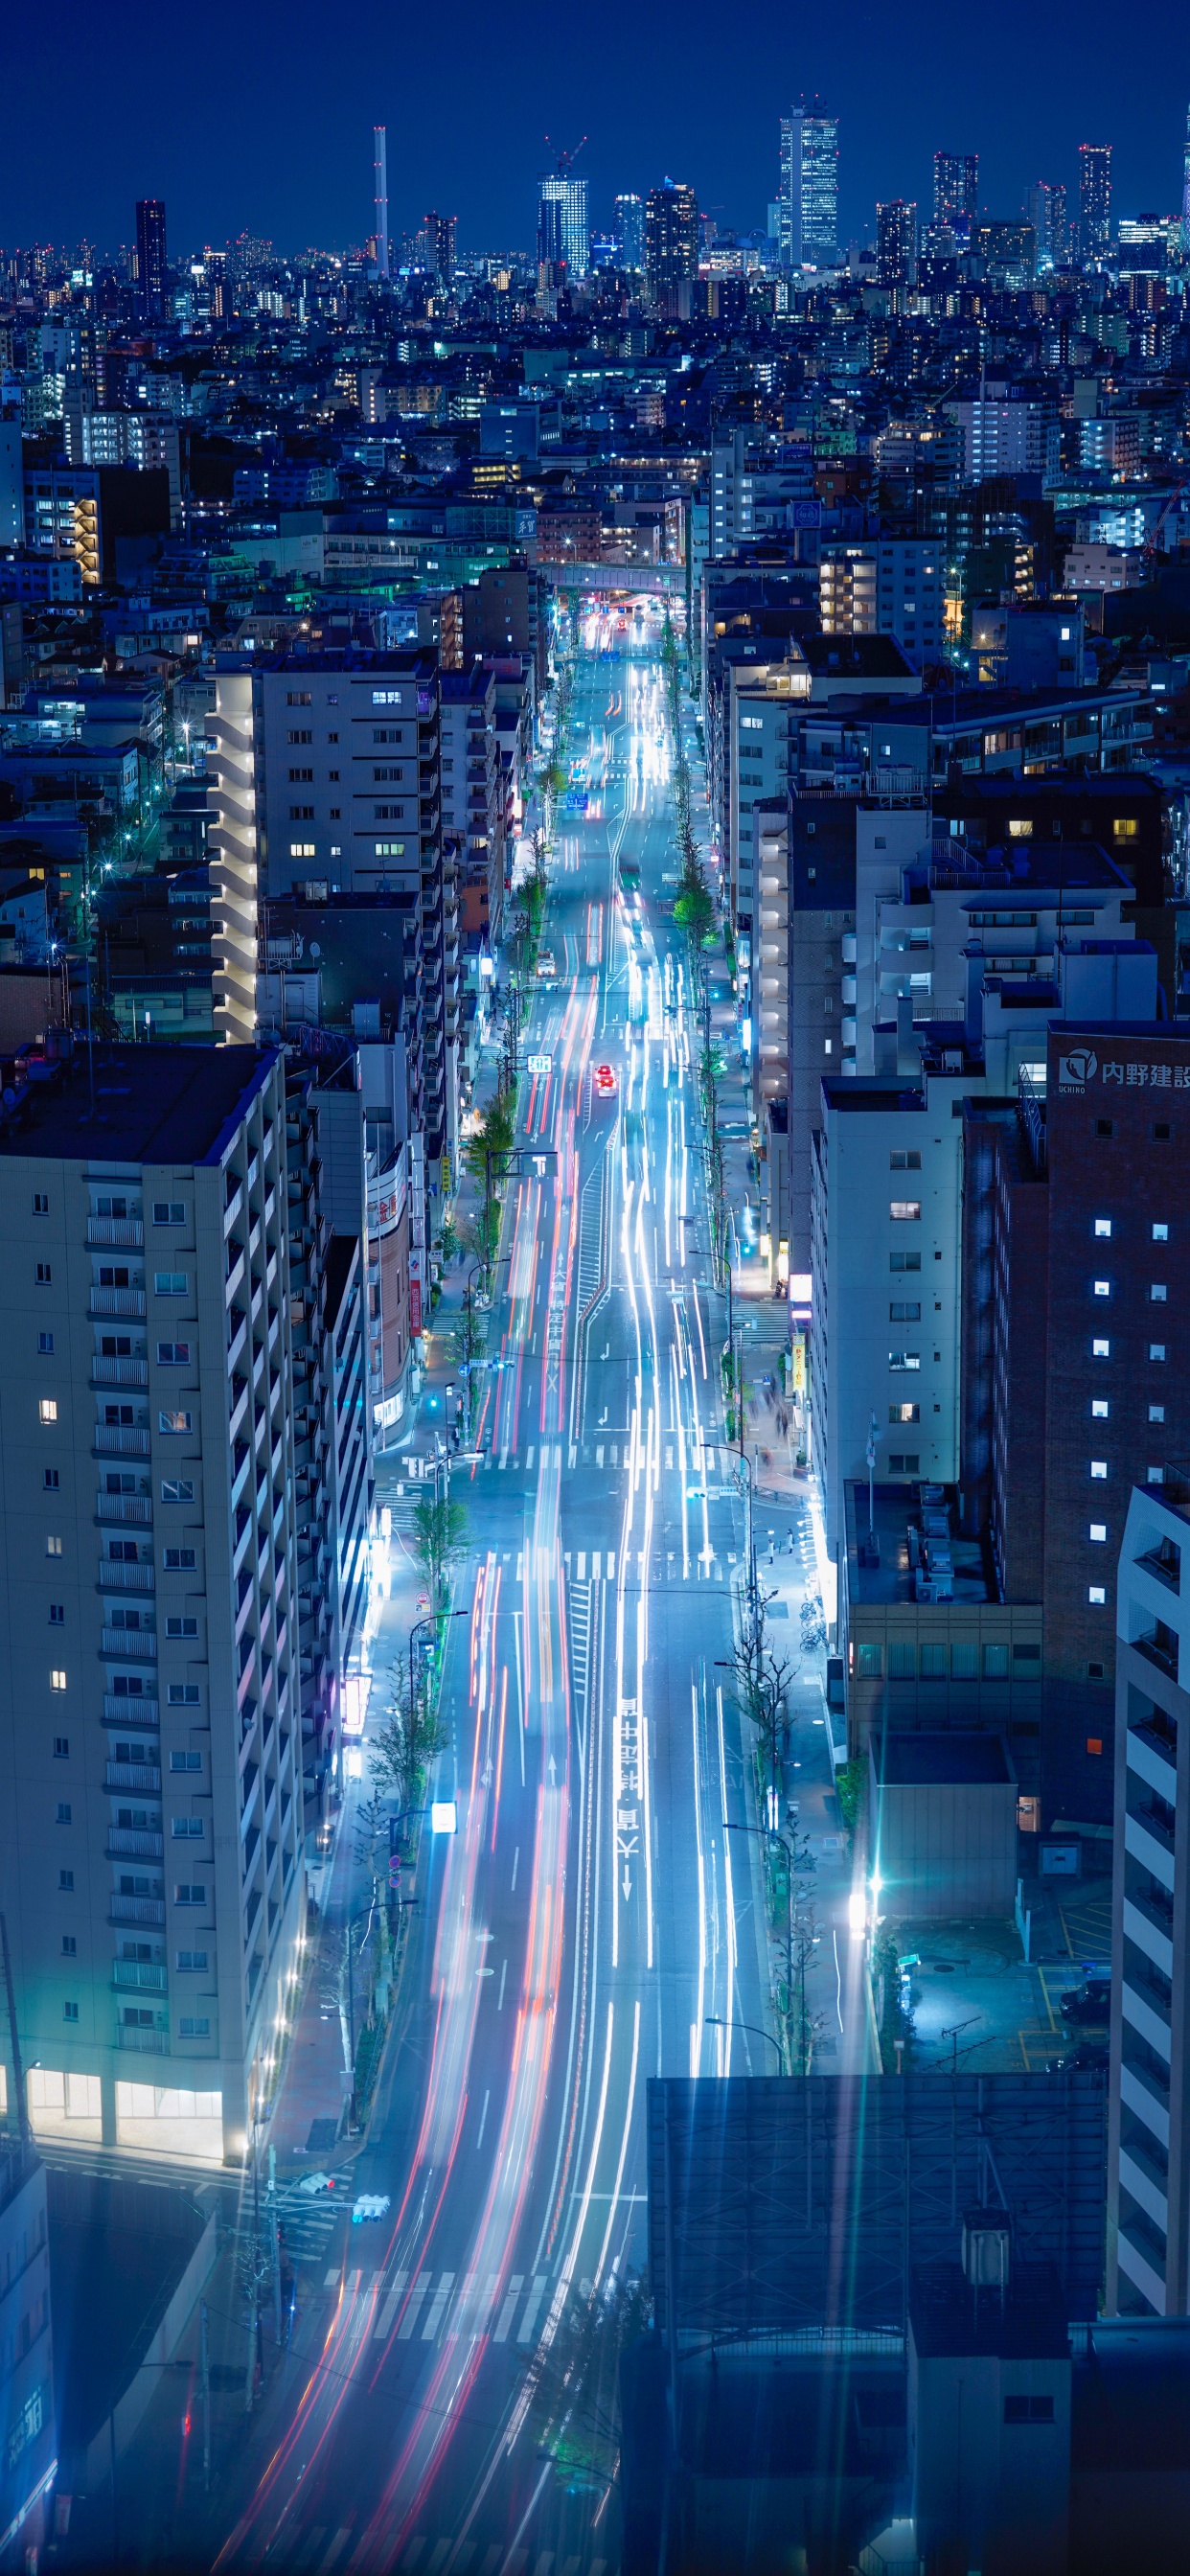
[[117, 1440], [1165, 1562], [142, 1776], [134, 1842], [123, 1507], [127, 1230], [136, 1643], [151, 2043], [125, 1578], [137, 1909], [117, 1301], [130, 1712], [1159, 1645], [139, 1974], [119, 1372]]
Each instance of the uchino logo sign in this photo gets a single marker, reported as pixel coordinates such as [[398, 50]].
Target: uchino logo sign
[[1082, 1065], [1077, 1069]]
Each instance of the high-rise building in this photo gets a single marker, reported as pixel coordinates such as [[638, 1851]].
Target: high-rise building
[[149, 1692], [1186, 188], [1094, 197], [435, 246], [1148, 2243], [150, 257], [671, 238], [896, 243], [562, 220], [380, 176], [630, 232], [808, 195], [1045, 209], [956, 191]]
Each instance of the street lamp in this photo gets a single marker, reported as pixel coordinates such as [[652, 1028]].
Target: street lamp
[[714, 2022]]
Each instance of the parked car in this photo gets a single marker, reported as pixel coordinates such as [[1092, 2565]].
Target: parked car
[[1089, 2002]]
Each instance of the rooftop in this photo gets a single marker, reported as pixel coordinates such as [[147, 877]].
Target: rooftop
[[152, 1104], [922, 1556]]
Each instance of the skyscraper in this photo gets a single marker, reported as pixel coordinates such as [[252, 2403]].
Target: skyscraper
[[435, 244], [562, 220], [956, 191], [808, 189], [896, 243], [630, 231], [671, 238], [1094, 197], [150, 256], [1045, 208], [1186, 189], [380, 173]]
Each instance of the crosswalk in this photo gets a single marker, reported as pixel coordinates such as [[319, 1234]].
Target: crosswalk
[[415, 2306]]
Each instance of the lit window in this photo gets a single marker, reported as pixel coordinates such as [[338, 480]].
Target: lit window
[[53, 1547], [174, 1422], [1103, 1287], [1157, 1292], [57, 1678], [1156, 1413], [1098, 1533], [1156, 1350], [1161, 1234], [1096, 1595], [1155, 1476], [47, 1409], [1102, 1350], [905, 1211], [1103, 1225], [1099, 1467], [1100, 1407]]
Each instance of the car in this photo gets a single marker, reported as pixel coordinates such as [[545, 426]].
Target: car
[[605, 1081], [546, 969], [1089, 2002], [1089, 2053]]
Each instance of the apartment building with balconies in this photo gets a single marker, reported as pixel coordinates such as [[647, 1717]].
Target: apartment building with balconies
[[1148, 2237], [149, 1688]]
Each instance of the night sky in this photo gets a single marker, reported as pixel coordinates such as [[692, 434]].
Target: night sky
[[258, 117]]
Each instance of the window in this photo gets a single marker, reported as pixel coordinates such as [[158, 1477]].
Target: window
[[904, 1161], [66, 1882], [1156, 1350], [995, 1663], [49, 1476], [192, 1963], [45, 1346], [183, 1694], [1103, 1225], [1100, 1407], [44, 1274], [170, 1283], [187, 1829], [169, 1211], [47, 1409], [1156, 1413], [385, 697], [1157, 1292], [1105, 1126], [1161, 1234], [190, 1895], [964, 1662], [904, 1261], [1096, 1595], [1162, 1131], [1026, 1654], [57, 1614], [904, 1462], [1099, 1467], [904, 1413], [1102, 1287], [177, 1489], [301, 778], [300, 733], [301, 813], [53, 1547], [61, 1748], [175, 1422], [904, 1359], [181, 1627], [63, 1811], [194, 2026], [933, 1663], [69, 1945], [1155, 1476], [869, 1661], [1030, 2409], [173, 1354], [902, 1660], [41, 1204], [1125, 827], [1098, 1533], [70, 2012], [900, 1313], [905, 1211], [57, 1678], [302, 850], [178, 1560], [185, 1761], [1101, 1350], [299, 698]]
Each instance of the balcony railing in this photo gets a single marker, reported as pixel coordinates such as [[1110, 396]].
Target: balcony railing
[[117, 1301], [106, 1371], [143, 1776], [125, 1578], [137, 1909], [139, 1973], [151, 2043], [134, 1842], [127, 1230], [119, 1440], [123, 1507], [130, 1712], [136, 1642]]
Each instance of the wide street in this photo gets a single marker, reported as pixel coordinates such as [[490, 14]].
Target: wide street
[[591, 1923]]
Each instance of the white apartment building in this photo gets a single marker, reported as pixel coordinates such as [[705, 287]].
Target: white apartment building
[[1148, 2210], [887, 586], [761, 701], [149, 1691]]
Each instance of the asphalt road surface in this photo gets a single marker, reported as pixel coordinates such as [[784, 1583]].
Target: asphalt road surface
[[591, 1924]]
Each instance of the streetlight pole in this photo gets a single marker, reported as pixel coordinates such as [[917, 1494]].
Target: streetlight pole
[[714, 2021]]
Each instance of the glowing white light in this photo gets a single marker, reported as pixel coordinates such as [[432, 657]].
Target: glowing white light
[[444, 1816]]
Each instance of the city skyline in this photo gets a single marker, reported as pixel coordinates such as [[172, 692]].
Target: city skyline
[[225, 161]]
